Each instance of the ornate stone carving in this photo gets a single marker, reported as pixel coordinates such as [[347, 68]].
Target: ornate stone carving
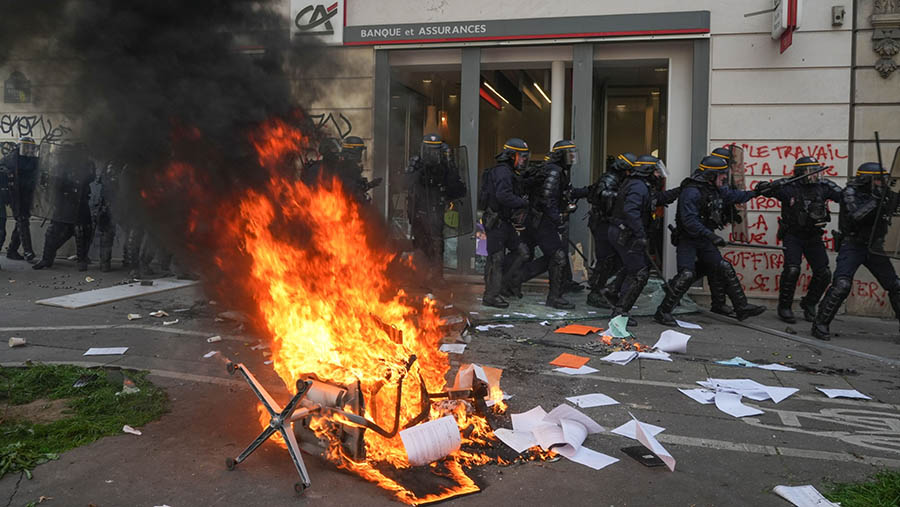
[[886, 36]]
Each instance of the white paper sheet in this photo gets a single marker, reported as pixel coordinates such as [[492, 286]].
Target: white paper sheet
[[704, 396], [591, 458], [564, 412], [629, 429], [105, 351], [453, 348], [730, 403], [519, 441], [672, 341], [592, 400], [749, 388], [659, 355], [843, 393], [210, 354], [775, 367], [687, 325], [486, 327], [643, 436], [549, 435], [622, 357], [431, 441], [803, 496], [527, 421], [584, 370]]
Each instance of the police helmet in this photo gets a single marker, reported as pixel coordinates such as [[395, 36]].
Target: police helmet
[[644, 166], [723, 153], [330, 148], [431, 149], [515, 151], [871, 169], [353, 148], [564, 152], [710, 168], [623, 162], [806, 165], [27, 147]]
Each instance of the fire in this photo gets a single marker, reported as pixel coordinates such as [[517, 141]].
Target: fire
[[318, 279]]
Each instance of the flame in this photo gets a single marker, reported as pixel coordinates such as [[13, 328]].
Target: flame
[[318, 280]]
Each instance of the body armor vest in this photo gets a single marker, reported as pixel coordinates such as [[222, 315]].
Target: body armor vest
[[713, 212]]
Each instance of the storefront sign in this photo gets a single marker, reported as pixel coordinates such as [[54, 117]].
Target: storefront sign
[[670, 23], [322, 21]]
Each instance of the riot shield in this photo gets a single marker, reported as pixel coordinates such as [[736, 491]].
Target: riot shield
[[889, 207], [458, 219], [738, 212], [64, 175]]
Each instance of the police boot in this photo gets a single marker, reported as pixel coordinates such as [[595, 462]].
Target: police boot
[[517, 272], [789, 278], [742, 309], [557, 272], [817, 285], [53, 239], [829, 307], [493, 281], [599, 276], [106, 243], [24, 226], [614, 288], [82, 245], [568, 283], [677, 288], [631, 291], [12, 251], [717, 296]]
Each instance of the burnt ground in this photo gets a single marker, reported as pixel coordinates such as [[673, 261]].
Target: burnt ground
[[721, 460]]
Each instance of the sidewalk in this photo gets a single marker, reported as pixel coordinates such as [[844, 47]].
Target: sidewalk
[[721, 460]]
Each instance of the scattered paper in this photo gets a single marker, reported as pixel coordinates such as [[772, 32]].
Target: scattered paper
[[672, 341], [159, 313], [622, 357], [592, 400], [618, 327], [259, 346], [629, 429], [210, 354], [170, 322], [566, 412], [584, 370], [453, 348], [749, 388], [687, 325], [527, 421], [545, 323], [526, 315], [431, 441], [486, 327], [844, 393], [88, 279], [133, 316], [105, 351], [519, 441], [214, 339], [804, 496], [16, 342], [567, 360], [578, 329], [591, 458], [129, 429], [654, 446], [730, 403], [740, 361], [659, 355], [704, 396]]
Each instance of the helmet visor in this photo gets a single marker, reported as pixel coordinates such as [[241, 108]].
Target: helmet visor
[[28, 149], [522, 158], [571, 157], [661, 169]]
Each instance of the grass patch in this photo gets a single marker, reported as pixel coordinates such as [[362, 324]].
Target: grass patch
[[882, 490], [94, 410]]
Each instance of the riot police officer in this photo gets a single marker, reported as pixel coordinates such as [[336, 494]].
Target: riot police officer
[[629, 227], [704, 198], [433, 182], [325, 167], [602, 197], [350, 168], [21, 173], [859, 221], [804, 213], [501, 197], [105, 208]]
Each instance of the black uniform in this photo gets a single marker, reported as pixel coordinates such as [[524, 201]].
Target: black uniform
[[859, 221], [602, 197], [59, 232], [804, 213], [702, 210], [504, 206], [104, 210], [21, 174], [434, 183]]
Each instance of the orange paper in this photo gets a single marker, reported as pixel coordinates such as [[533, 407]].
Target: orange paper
[[567, 360], [578, 329]]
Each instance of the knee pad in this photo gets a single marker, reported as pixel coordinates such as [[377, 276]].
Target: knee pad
[[643, 274], [842, 286], [791, 271], [725, 268]]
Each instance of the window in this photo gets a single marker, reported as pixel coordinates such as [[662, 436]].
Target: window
[[17, 89]]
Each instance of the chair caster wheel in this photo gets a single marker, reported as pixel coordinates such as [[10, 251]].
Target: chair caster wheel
[[299, 488], [230, 463]]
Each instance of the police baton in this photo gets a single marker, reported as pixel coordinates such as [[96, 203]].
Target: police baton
[[750, 245], [580, 253], [798, 178]]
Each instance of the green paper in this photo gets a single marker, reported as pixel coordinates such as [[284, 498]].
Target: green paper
[[618, 327]]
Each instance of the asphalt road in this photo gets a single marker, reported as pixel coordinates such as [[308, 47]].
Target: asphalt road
[[721, 460]]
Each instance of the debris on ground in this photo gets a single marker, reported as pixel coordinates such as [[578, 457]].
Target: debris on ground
[[129, 429], [105, 351], [134, 316], [210, 354], [843, 393], [214, 339], [740, 361], [159, 313], [170, 322], [803, 496], [567, 360], [592, 400], [453, 348], [578, 329], [16, 342]]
